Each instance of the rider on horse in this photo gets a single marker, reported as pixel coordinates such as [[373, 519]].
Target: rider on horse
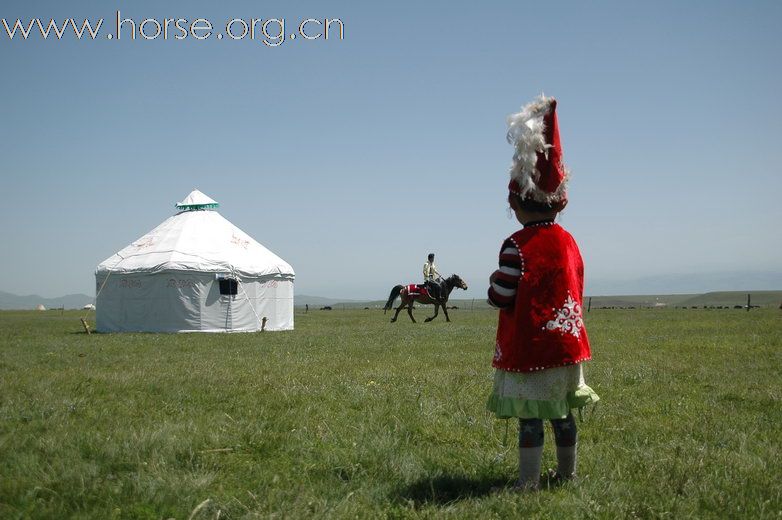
[[430, 282]]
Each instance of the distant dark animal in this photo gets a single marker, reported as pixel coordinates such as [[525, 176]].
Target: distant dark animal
[[417, 293], [326, 308]]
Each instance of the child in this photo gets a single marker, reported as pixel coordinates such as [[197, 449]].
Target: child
[[541, 339]]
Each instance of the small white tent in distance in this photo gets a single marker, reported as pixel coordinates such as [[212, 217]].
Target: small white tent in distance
[[195, 272]]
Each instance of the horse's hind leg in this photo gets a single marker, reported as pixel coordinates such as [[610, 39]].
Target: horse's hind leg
[[397, 311], [436, 311]]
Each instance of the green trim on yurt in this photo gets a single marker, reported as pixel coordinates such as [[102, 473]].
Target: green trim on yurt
[[196, 207]]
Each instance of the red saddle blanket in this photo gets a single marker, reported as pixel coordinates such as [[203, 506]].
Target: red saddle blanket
[[417, 290]]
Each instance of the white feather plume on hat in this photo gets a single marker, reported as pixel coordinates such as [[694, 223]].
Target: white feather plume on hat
[[526, 132]]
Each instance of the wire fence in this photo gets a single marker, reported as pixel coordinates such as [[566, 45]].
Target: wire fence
[[717, 301]]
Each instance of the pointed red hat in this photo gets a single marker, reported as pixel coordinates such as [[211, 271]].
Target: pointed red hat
[[537, 172]]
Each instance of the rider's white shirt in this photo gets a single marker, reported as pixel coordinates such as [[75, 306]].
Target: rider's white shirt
[[430, 271]]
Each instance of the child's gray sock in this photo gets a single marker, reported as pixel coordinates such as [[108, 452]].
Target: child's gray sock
[[565, 436], [530, 452]]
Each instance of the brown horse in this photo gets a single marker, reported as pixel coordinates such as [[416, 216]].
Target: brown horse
[[422, 296]]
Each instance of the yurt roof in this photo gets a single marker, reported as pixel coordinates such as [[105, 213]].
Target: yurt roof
[[197, 239]]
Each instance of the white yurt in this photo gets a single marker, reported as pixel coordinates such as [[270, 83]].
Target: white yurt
[[195, 272]]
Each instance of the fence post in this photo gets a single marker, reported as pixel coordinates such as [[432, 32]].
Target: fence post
[[589, 304], [749, 300]]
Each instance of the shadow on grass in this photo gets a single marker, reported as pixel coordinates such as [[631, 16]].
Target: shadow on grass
[[445, 489]]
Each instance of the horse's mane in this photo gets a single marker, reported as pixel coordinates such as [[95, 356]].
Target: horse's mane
[[451, 279]]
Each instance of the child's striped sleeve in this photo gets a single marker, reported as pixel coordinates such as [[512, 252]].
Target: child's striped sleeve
[[504, 280]]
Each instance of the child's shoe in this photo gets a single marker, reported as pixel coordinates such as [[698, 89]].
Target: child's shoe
[[554, 478], [526, 487]]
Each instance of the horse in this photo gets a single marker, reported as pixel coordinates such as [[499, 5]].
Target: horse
[[416, 293]]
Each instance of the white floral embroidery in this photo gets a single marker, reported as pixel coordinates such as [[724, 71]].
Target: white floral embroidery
[[569, 318], [497, 353]]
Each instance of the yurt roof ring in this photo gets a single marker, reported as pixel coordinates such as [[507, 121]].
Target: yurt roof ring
[[197, 207], [197, 201]]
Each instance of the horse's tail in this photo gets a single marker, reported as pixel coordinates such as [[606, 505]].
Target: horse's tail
[[394, 293]]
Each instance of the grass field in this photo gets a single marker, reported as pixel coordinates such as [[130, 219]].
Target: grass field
[[351, 416]]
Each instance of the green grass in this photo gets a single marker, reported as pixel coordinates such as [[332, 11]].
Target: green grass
[[351, 416]]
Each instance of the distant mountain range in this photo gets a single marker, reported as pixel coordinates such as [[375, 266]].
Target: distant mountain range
[[10, 301], [689, 283], [709, 299], [319, 301]]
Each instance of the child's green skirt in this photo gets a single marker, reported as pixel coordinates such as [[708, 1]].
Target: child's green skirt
[[544, 394]]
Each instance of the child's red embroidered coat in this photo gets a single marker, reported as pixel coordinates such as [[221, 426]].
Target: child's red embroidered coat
[[544, 328]]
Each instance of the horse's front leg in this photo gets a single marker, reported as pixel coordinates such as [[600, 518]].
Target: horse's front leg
[[445, 310], [410, 310], [436, 311]]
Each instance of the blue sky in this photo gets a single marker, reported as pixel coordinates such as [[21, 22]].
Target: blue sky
[[353, 159]]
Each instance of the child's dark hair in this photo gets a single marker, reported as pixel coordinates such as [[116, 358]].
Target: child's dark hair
[[534, 206]]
